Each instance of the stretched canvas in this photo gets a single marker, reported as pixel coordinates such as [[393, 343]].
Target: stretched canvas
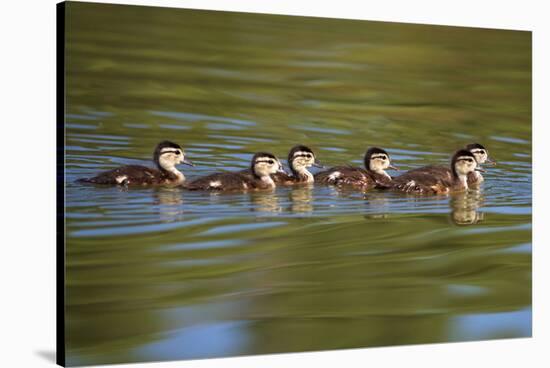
[[293, 231]]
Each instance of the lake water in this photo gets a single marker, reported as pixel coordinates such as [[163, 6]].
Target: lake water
[[161, 273]]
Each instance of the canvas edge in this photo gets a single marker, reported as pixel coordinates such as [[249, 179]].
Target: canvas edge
[[60, 183]]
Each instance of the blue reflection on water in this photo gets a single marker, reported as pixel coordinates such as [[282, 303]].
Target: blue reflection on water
[[200, 341], [484, 326]]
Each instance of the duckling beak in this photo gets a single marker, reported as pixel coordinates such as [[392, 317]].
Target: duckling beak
[[479, 169], [317, 164], [491, 161], [187, 162], [393, 168]]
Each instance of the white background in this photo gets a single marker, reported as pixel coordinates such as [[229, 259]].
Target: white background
[[27, 181]]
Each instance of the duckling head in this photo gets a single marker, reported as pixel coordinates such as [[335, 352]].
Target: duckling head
[[301, 157], [480, 153], [463, 163], [169, 154], [264, 164], [378, 161]]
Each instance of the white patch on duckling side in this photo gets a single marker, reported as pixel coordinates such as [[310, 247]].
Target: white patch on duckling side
[[335, 175], [120, 179], [215, 184]]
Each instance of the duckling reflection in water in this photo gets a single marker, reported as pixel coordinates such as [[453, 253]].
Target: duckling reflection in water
[[465, 206], [170, 203], [168, 196], [377, 201], [265, 202], [301, 199]]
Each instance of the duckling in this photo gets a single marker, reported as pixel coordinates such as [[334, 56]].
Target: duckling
[[482, 155], [299, 159], [376, 161], [474, 178], [463, 164], [262, 166], [166, 156]]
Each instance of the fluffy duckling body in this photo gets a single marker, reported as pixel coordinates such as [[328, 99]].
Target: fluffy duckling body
[[377, 161], [475, 178], [428, 181], [166, 156], [262, 166]]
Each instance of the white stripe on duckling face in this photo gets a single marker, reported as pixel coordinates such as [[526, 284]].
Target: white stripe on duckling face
[[379, 155], [170, 149], [480, 155]]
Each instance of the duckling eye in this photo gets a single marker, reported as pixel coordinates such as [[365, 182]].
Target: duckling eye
[[271, 162], [309, 155]]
